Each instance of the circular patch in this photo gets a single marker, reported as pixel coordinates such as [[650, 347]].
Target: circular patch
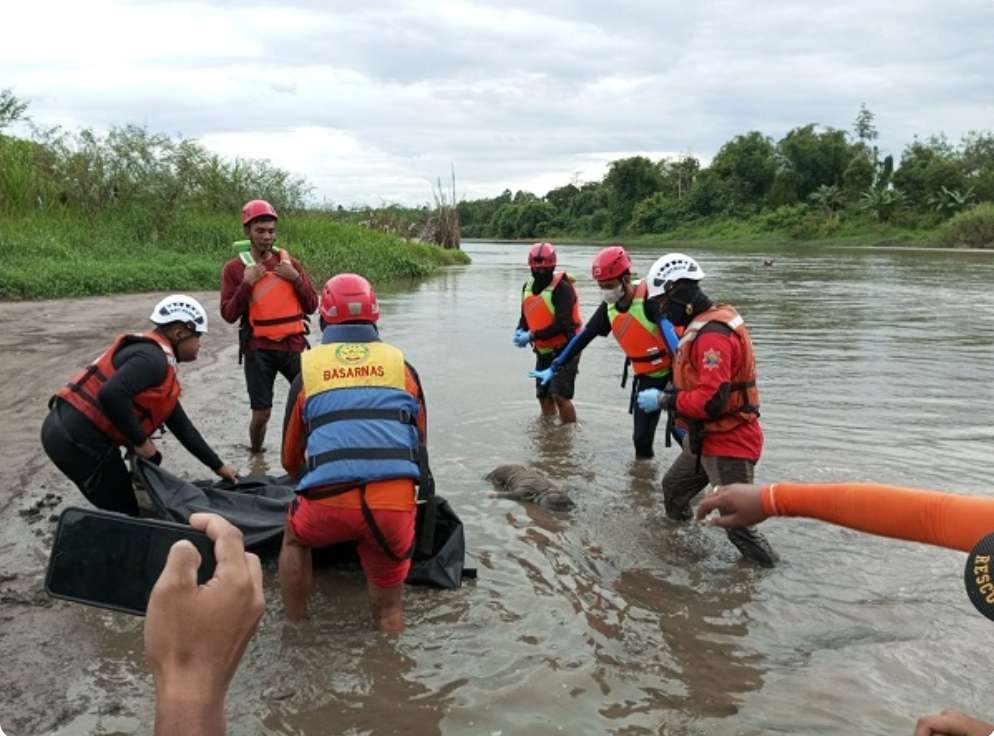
[[979, 576], [352, 353]]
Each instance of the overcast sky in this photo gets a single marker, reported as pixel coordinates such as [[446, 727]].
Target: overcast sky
[[371, 104]]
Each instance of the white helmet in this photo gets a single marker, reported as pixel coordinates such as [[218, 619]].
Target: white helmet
[[669, 269], [180, 308]]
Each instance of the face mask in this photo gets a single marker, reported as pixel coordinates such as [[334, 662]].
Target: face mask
[[684, 304], [542, 276], [652, 310], [611, 296], [677, 313]]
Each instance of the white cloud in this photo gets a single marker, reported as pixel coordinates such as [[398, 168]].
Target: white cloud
[[374, 102]]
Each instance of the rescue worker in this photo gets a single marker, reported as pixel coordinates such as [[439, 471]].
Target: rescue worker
[[550, 317], [121, 399], [623, 313], [354, 443], [272, 298], [714, 398]]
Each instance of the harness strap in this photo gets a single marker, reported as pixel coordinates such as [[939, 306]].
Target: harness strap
[[277, 320], [648, 358], [381, 540], [400, 415], [361, 453]]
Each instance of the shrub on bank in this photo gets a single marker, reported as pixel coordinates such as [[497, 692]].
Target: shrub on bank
[[973, 228]]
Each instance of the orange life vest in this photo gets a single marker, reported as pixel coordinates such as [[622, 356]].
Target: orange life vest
[[639, 338], [274, 309], [152, 406], [540, 312], [743, 401]]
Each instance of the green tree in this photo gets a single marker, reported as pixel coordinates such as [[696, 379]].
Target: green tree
[[978, 163], [12, 109], [858, 176], [927, 166], [505, 223], [562, 197], [744, 170], [884, 203], [630, 180], [864, 127], [534, 219], [828, 197], [815, 159], [948, 202], [678, 175], [659, 213]]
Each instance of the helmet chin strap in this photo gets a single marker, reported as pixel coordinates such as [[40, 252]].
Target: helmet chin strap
[[176, 342]]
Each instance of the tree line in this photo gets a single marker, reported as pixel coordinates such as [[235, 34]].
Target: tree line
[[129, 172], [806, 184]]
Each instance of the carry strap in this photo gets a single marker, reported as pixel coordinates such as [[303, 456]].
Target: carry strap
[[361, 453], [400, 415], [381, 540]]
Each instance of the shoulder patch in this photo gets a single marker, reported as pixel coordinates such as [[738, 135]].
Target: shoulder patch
[[711, 359]]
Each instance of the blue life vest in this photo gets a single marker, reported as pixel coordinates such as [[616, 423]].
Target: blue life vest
[[361, 419]]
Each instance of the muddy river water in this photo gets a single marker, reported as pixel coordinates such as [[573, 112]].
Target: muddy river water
[[608, 619]]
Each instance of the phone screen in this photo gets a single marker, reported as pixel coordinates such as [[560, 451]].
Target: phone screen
[[112, 560]]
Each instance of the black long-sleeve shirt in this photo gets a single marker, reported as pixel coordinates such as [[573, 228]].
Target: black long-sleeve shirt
[[138, 366]]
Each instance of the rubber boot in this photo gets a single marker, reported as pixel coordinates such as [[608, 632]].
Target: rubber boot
[[753, 546]]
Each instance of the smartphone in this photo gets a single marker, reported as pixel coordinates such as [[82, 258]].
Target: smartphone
[[111, 560]]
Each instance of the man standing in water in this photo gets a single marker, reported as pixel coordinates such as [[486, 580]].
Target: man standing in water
[[714, 396], [120, 399], [550, 317], [269, 292], [354, 442], [623, 313]]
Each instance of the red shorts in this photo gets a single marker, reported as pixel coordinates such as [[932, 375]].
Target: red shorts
[[318, 525]]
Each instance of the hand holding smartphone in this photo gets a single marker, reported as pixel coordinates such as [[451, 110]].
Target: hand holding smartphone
[[111, 560], [198, 623]]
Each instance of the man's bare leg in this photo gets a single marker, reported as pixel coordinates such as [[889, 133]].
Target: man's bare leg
[[388, 607], [567, 413], [296, 576], [257, 428]]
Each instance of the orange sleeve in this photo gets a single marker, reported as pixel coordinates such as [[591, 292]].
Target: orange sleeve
[[294, 441], [413, 387], [943, 519]]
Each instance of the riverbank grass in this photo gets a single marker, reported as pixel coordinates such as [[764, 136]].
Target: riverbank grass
[[67, 254]]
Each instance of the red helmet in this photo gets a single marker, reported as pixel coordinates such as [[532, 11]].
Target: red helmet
[[542, 255], [255, 209], [348, 297], [611, 263]]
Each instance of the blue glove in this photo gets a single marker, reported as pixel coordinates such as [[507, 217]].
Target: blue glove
[[522, 338], [649, 400], [544, 376]]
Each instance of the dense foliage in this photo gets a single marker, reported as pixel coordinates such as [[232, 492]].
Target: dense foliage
[[813, 182], [82, 213]]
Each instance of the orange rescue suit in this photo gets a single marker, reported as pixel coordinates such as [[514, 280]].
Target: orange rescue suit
[[743, 401]]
